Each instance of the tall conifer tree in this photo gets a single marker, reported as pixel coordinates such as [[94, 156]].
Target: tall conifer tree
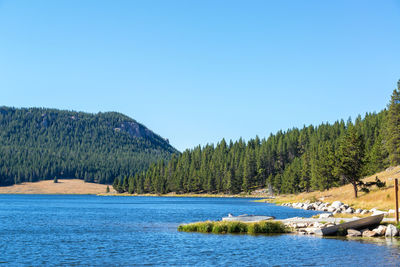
[[393, 127], [350, 158]]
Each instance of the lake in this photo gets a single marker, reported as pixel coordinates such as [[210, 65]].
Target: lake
[[76, 230]]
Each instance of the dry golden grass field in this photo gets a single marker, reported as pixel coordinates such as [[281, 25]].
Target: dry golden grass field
[[67, 186], [378, 198]]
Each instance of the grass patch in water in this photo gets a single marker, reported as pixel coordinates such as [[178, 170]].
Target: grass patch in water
[[224, 227]]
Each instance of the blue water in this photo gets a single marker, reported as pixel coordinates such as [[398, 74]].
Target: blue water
[[74, 230]]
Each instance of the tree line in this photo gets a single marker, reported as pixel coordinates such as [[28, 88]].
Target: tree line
[[298, 160], [40, 144]]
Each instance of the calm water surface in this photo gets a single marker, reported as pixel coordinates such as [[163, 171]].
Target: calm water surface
[[73, 230]]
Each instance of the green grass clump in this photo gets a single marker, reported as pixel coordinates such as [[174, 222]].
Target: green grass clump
[[223, 227]]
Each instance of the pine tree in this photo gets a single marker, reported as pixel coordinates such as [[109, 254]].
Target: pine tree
[[393, 127], [249, 171], [116, 184], [131, 185], [125, 185], [350, 158]]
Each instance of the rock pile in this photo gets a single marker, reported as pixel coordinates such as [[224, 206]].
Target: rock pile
[[326, 219], [381, 230], [310, 228], [334, 208]]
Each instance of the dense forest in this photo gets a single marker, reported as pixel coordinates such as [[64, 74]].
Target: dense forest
[[311, 158], [38, 144]]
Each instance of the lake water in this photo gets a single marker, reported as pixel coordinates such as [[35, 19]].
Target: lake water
[[74, 230]]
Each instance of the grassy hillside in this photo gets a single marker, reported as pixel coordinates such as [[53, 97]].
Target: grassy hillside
[[39, 144], [378, 198]]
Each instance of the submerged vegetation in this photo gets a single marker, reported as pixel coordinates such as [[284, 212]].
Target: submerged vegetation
[[225, 227]]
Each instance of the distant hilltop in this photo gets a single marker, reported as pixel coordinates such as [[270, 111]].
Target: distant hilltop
[[42, 143]]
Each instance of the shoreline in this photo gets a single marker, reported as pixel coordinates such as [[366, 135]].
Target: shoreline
[[185, 195]]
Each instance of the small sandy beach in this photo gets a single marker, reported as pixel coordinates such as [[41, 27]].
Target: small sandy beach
[[67, 186]]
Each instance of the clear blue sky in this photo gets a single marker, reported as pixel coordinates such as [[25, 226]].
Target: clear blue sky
[[198, 71]]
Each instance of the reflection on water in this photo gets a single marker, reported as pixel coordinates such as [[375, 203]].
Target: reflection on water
[[125, 231], [382, 241]]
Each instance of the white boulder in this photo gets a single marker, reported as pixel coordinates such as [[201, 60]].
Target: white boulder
[[353, 232], [349, 210], [331, 209], [369, 233], [325, 215], [336, 204], [380, 230], [391, 230]]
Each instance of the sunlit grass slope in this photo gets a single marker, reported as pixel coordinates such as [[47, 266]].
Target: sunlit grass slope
[[383, 198]]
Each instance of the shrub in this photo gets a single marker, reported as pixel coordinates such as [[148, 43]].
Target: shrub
[[220, 228], [264, 227], [205, 227], [237, 227]]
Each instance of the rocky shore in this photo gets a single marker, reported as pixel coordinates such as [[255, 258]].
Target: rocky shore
[[310, 226]]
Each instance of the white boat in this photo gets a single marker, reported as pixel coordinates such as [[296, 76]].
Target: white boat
[[247, 218]]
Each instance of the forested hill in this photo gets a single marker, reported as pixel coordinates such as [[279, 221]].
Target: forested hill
[[297, 160], [38, 144]]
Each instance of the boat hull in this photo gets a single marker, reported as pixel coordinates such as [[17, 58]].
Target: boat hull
[[360, 224]]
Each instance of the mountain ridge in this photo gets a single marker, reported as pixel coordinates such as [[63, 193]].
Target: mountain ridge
[[95, 147]]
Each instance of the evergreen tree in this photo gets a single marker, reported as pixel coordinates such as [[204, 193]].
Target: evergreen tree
[[125, 185], [393, 127], [115, 184], [350, 158]]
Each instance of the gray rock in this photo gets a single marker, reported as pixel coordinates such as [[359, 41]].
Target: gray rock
[[380, 230], [364, 212], [331, 209], [336, 204], [311, 230], [301, 225], [358, 211], [349, 210], [317, 225], [369, 233], [325, 215], [309, 207], [353, 233], [391, 230], [337, 211]]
